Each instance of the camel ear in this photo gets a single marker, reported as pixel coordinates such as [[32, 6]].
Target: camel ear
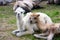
[[38, 15]]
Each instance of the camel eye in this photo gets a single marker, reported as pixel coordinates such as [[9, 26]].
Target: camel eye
[[21, 12], [35, 18]]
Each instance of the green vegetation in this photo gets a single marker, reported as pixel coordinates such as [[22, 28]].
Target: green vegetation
[[7, 18]]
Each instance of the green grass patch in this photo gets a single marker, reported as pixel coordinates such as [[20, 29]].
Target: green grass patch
[[12, 21]]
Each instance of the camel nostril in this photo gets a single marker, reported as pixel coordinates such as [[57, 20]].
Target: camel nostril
[[30, 21]]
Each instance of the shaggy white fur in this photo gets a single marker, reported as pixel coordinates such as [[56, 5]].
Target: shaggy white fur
[[19, 16], [44, 18]]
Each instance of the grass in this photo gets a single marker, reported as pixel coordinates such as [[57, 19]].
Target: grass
[[8, 21]]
